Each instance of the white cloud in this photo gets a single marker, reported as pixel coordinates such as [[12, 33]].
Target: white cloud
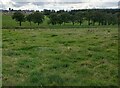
[[29, 6], [59, 4], [7, 3]]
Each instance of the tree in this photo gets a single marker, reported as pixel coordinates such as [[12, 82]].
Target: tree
[[46, 12], [29, 18], [118, 18], [88, 16], [104, 18], [114, 19], [65, 17], [99, 18], [59, 19], [37, 17], [19, 16], [96, 17], [53, 18], [73, 19], [79, 17]]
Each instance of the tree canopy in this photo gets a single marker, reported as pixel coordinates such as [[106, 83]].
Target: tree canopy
[[38, 17], [19, 16], [93, 17]]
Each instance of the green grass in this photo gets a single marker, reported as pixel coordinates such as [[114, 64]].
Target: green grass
[[9, 23], [60, 57]]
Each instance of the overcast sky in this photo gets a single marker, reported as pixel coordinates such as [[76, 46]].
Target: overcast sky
[[57, 4]]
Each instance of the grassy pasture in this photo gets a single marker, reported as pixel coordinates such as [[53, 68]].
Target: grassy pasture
[[52, 57]]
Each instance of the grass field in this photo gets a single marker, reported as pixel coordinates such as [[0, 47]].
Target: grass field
[[60, 57]]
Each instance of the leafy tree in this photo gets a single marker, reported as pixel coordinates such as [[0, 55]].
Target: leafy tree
[[100, 18], [73, 19], [53, 18], [59, 19], [104, 18], [46, 12], [19, 16], [60, 11], [37, 17], [88, 16], [108, 18], [79, 17], [118, 16], [114, 19], [65, 17], [94, 17], [29, 18]]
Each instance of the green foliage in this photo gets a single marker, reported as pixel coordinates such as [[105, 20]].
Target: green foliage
[[72, 19], [65, 16], [37, 17], [79, 17], [92, 18], [19, 16], [53, 18], [60, 19], [29, 18]]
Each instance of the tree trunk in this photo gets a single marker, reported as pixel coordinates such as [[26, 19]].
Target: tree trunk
[[102, 23], [108, 23], [99, 23], [30, 22], [105, 23], [88, 22], [73, 23], [20, 23], [80, 23], [93, 23]]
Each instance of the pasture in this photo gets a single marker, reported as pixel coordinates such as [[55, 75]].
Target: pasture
[[60, 57]]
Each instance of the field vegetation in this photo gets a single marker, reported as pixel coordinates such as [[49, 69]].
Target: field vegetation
[[59, 57], [60, 48]]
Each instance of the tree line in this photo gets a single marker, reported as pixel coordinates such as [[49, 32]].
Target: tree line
[[61, 17]]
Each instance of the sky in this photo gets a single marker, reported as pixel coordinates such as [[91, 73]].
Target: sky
[[57, 4]]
